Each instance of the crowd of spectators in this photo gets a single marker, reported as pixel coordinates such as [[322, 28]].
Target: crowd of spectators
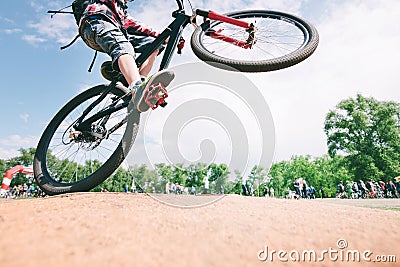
[[349, 189], [25, 191], [302, 190], [369, 189]]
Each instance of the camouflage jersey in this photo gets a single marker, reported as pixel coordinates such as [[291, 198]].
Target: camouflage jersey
[[116, 12]]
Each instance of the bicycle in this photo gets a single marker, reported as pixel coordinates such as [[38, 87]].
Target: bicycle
[[88, 139]]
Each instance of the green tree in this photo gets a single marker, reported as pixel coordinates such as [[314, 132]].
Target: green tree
[[194, 175], [165, 174], [140, 177], [324, 172], [256, 178], [3, 166], [218, 178], [367, 132], [180, 175], [235, 186], [144, 178], [118, 181]]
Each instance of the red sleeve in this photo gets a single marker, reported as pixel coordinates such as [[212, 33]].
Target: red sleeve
[[131, 23]]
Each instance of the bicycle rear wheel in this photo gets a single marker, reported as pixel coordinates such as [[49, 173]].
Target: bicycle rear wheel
[[281, 40], [66, 162]]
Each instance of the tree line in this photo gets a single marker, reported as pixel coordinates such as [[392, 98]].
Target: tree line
[[363, 139]]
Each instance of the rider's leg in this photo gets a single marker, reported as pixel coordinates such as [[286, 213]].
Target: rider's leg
[[148, 64], [104, 36], [127, 66], [100, 34]]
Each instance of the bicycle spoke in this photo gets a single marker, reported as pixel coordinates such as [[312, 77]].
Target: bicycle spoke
[[275, 37], [76, 155]]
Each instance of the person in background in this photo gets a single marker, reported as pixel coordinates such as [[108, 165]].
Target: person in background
[[271, 192], [322, 193]]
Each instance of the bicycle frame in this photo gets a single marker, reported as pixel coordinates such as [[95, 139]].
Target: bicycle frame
[[174, 33]]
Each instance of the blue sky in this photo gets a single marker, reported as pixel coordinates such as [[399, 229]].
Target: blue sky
[[358, 53]]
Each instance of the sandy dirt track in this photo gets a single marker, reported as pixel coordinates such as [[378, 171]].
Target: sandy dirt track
[[116, 229]]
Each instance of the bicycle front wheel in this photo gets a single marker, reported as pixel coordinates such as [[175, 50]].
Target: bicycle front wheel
[[281, 40], [67, 160]]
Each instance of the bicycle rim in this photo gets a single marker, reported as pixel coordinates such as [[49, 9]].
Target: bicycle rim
[[281, 40], [69, 163]]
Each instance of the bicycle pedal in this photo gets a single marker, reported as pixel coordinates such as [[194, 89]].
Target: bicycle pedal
[[155, 96]]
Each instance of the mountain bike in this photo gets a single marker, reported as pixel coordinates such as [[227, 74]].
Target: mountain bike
[[89, 138]]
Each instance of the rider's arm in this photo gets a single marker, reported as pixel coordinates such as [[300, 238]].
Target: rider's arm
[[135, 27]]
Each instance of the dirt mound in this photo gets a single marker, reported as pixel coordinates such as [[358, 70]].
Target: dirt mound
[[108, 229]]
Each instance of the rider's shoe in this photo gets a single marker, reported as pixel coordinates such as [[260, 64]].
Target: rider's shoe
[[143, 90]]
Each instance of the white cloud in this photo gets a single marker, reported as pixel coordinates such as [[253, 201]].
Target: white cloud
[[11, 31], [9, 146], [38, 7], [160, 17], [33, 39], [20, 141], [292, 6], [157, 18], [24, 117], [7, 20], [8, 153], [60, 28]]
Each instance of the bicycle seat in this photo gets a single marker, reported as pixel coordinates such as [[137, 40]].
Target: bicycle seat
[[109, 73]]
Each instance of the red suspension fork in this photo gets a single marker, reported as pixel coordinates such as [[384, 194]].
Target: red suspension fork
[[218, 35], [215, 16]]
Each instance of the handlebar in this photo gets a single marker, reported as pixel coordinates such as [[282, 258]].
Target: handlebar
[[180, 5]]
